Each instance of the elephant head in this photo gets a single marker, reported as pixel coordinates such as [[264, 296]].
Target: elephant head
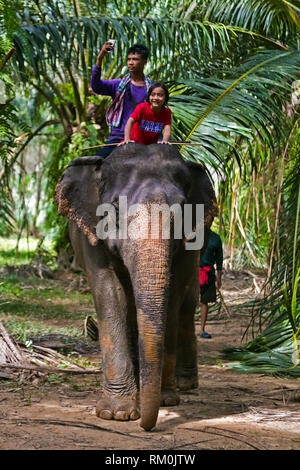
[[146, 176]]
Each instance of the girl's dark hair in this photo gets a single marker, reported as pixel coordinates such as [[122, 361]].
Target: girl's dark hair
[[158, 85]]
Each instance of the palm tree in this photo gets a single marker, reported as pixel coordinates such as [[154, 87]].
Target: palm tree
[[276, 349], [8, 114], [57, 57]]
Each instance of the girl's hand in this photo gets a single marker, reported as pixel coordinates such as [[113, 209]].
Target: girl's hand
[[127, 141], [164, 142]]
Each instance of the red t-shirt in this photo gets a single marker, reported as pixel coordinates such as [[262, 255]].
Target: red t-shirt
[[148, 125]]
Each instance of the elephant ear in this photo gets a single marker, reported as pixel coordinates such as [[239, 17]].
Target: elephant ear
[[77, 195], [202, 191]]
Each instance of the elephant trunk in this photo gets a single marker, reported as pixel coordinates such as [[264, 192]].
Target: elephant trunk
[[151, 284]]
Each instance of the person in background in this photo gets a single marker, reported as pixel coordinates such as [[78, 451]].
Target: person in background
[[208, 277], [150, 119], [126, 92]]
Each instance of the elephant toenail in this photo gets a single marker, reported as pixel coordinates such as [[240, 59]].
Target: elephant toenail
[[105, 414], [134, 415], [121, 416]]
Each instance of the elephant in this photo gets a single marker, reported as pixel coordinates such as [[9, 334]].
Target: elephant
[[145, 289]]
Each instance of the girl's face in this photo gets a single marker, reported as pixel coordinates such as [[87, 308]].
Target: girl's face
[[157, 98]]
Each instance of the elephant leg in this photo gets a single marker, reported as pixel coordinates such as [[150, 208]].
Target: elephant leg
[[180, 353], [186, 363], [117, 331], [169, 393], [119, 398]]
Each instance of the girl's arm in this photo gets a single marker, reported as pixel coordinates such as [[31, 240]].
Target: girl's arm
[[167, 134], [127, 131]]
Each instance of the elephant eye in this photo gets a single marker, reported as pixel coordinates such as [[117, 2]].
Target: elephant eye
[[101, 187], [116, 206]]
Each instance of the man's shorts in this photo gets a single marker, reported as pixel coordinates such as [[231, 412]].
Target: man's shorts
[[208, 292]]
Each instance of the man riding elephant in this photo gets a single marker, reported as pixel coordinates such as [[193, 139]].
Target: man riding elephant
[[126, 93]]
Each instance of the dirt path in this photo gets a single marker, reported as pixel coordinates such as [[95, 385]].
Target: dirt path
[[228, 411]]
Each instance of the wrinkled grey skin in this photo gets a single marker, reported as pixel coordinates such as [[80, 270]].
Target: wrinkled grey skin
[[145, 291]]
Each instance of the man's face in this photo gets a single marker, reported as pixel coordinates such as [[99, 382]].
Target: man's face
[[135, 63]]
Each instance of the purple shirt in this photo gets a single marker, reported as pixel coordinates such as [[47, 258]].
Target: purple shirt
[[109, 88]]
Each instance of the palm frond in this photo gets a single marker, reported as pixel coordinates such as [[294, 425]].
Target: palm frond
[[276, 18], [217, 112], [76, 41], [274, 350], [278, 362]]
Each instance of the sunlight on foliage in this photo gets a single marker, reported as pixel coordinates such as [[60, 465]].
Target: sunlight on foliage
[[231, 68]]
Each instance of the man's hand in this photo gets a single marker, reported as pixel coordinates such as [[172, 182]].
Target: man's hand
[[105, 50], [164, 142], [219, 279]]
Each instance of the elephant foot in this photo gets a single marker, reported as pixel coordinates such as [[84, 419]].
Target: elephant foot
[[169, 398], [187, 383], [118, 408]]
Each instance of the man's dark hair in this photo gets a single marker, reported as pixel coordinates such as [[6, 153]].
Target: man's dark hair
[[139, 49], [158, 85]]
